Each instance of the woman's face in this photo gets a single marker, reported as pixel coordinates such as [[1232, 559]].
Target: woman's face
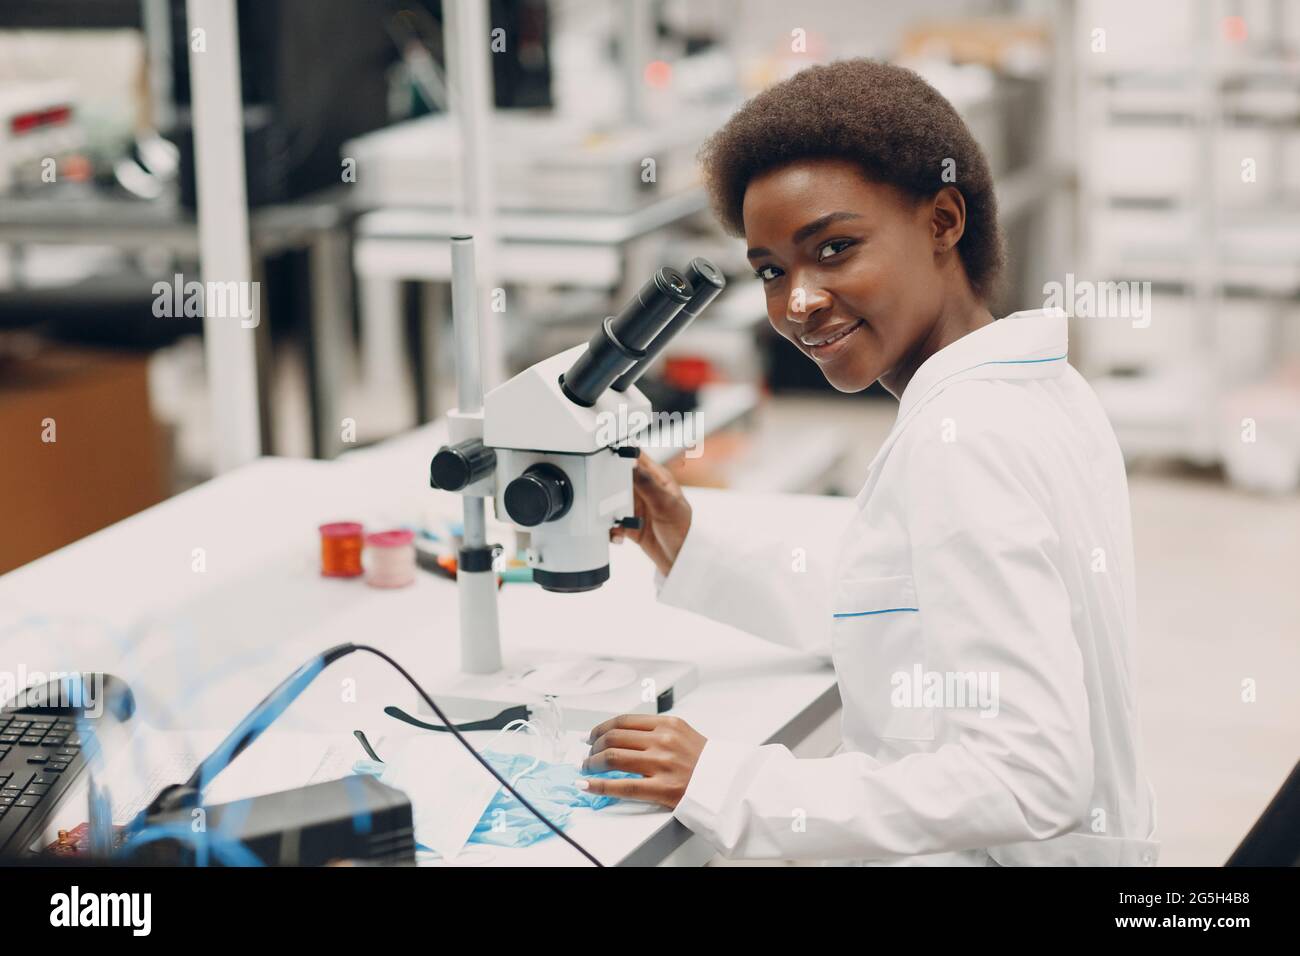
[[848, 266]]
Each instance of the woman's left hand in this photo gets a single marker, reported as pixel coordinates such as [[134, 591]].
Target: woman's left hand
[[664, 750]]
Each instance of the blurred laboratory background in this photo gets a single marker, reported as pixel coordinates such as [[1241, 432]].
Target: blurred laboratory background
[[1147, 158]]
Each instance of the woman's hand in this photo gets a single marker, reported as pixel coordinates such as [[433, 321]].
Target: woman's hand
[[664, 750], [664, 512]]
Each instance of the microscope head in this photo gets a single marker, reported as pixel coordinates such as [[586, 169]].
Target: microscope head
[[561, 439]]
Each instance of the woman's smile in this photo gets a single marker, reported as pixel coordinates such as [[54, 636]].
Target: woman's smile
[[826, 343]]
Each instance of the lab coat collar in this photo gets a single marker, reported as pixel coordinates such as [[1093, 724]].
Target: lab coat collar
[[1030, 344]]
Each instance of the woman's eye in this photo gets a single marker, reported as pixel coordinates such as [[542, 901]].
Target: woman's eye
[[834, 247], [767, 273]]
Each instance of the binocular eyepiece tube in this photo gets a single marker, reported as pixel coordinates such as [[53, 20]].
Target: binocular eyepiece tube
[[706, 284], [626, 343]]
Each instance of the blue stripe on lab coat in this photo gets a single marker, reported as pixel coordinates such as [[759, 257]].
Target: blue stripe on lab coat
[[886, 610]]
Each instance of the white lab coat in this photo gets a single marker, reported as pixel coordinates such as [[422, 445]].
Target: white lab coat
[[991, 542]]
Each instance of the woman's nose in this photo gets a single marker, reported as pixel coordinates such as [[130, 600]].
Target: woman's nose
[[804, 302]]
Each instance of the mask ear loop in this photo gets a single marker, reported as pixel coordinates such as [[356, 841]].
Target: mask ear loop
[[514, 727], [551, 717]]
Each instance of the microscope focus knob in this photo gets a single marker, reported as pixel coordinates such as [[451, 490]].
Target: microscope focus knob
[[456, 466], [541, 493]]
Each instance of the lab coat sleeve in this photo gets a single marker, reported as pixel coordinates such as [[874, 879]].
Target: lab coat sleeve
[[985, 559], [740, 573]]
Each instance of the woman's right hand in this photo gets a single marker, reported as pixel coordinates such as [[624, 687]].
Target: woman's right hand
[[664, 512]]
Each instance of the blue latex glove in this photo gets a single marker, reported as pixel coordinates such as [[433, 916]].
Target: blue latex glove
[[550, 787]]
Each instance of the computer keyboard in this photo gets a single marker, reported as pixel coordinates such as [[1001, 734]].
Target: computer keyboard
[[44, 744], [39, 759]]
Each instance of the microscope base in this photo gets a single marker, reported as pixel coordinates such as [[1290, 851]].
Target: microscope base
[[588, 690]]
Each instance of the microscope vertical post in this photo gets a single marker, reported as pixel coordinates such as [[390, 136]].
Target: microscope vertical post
[[480, 639]]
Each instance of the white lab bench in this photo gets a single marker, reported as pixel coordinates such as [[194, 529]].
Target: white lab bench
[[201, 647]]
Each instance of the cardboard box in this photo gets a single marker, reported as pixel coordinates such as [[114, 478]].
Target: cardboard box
[[79, 448]]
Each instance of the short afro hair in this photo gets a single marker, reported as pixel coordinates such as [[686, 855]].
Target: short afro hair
[[885, 118]]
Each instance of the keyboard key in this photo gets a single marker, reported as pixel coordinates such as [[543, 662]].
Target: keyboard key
[[54, 767], [64, 725], [68, 752], [9, 738], [11, 792], [29, 741], [36, 790], [38, 758], [54, 740], [43, 779], [27, 801], [74, 740]]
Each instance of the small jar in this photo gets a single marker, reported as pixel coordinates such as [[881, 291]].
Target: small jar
[[340, 549], [390, 558]]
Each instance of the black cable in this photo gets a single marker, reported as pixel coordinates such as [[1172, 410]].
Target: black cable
[[475, 754], [365, 745], [500, 722], [273, 705]]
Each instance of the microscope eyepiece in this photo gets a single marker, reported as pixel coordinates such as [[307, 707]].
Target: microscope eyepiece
[[706, 282], [671, 282], [622, 339], [701, 268]]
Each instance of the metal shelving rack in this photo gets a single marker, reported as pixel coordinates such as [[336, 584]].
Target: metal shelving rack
[[1176, 387]]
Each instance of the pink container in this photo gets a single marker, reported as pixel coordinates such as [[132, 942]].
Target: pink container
[[390, 559]]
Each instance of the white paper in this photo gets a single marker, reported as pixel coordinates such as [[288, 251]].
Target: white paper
[[449, 790]]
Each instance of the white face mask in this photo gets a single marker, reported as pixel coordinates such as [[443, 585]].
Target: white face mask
[[449, 790]]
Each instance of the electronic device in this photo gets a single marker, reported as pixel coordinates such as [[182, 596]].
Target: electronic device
[[307, 826], [554, 449], [38, 130], [293, 128], [1274, 840], [47, 734], [542, 162]]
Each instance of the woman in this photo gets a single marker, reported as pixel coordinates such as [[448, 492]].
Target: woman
[[990, 550]]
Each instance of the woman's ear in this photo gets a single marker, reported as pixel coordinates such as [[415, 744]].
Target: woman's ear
[[948, 218]]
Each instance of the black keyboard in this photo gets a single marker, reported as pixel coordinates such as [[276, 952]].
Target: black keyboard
[[43, 749]]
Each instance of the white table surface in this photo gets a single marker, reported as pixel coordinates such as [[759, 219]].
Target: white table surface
[[199, 648]]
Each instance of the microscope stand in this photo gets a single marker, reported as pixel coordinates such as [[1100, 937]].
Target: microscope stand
[[588, 690]]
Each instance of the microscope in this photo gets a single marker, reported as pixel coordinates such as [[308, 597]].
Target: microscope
[[554, 449]]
